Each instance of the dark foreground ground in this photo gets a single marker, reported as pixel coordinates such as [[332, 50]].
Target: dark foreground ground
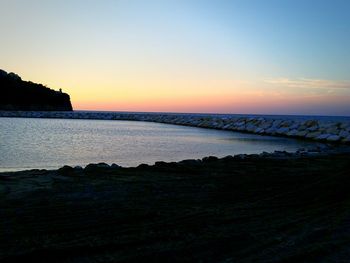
[[228, 210]]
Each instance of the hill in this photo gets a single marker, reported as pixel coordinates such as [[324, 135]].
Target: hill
[[17, 94]]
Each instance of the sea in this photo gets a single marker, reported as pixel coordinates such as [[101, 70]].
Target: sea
[[38, 143]]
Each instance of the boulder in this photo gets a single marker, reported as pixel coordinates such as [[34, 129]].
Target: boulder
[[258, 130], [333, 130], [282, 130], [227, 158], [240, 156], [313, 135], [301, 133], [313, 128], [210, 159], [14, 76], [311, 123], [292, 132], [333, 138], [143, 166], [115, 166], [266, 124], [3, 73], [295, 125], [276, 123], [344, 134], [65, 170], [96, 167], [347, 139], [190, 162], [323, 136], [271, 130]]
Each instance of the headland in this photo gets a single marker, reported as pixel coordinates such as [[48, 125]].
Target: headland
[[17, 94]]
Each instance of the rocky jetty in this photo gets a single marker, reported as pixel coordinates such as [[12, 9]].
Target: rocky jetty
[[17, 94], [310, 128], [279, 207]]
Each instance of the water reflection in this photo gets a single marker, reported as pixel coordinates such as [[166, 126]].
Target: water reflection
[[52, 143]]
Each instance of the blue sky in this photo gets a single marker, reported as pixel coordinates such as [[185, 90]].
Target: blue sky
[[268, 56]]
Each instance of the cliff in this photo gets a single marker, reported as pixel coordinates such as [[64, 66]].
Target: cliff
[[17, 94]]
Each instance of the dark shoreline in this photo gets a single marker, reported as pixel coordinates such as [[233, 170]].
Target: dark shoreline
[[271, 207]]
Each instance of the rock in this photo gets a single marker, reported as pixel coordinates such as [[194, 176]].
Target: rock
[[311, 123], [102, 165], [14, 76], [143, 166], [227, 126], [3, 73], [345, 125], [333, 130], [65, 170], [264, 154], [240, 156], [323, 136], [160, 164], [191, 162], [282, 130], [347, 139], [251, 127], [276, 123], [344, 134], [271, 130], [292, 132], [301, 133], [313, 135], [227, 158], [286, 124], [333, 138], [210, 159], [265, 125], [258, 130], [312, 128], [70, 171], [96, 167], [295, 125], [115, 166], [238, 124]]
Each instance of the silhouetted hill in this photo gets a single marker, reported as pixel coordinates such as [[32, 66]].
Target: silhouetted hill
[[17, 94]]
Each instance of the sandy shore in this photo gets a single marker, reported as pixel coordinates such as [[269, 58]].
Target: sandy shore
[[235, 209]]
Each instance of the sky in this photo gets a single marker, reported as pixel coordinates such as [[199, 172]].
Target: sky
[[238, 56]]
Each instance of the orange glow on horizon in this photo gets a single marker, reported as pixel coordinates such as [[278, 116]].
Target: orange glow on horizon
[[239, 104]]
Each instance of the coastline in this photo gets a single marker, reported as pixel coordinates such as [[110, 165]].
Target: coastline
[[280, 206], [316, 128], [276, 207]]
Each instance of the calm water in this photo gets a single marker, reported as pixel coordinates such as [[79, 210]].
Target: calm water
[[52, 143]]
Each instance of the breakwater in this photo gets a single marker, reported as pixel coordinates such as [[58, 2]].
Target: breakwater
[[311, 128]]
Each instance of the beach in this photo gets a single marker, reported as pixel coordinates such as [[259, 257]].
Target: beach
[[278, 207]]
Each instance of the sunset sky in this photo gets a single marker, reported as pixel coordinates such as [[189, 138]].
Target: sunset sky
[[267, 57]]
